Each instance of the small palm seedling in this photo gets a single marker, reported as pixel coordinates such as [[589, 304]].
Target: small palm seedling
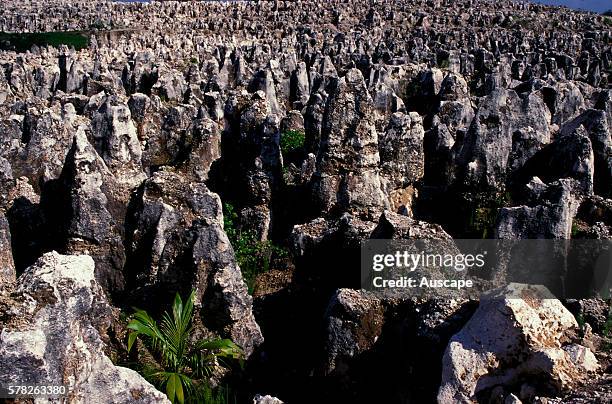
[[183, 363]]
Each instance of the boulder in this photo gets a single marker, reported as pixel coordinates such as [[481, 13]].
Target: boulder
[[89, 213], [52, 335], [259, 399], [354, 321], [506, 131], [518, 332], [550, 216]]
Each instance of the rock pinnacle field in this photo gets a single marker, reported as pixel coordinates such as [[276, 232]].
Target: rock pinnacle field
[[191, 194]]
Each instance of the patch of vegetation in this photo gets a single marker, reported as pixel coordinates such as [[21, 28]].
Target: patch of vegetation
[[254, 256], [182, 366], [581, 321], [607, 330], [444, 64], [482, 219], [220, 395], [292, 141], [22, 42]]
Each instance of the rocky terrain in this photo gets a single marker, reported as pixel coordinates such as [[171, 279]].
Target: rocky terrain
[[244, 150]]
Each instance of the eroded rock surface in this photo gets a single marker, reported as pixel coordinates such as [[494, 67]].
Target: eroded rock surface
[[52, 335], [519, 333]]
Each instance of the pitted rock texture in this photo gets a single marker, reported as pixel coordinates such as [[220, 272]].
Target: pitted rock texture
[[178, 244], [51, 336], [518, 331], [7, 266]]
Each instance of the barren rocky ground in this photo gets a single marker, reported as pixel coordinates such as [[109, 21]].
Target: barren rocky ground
[[243, 150]]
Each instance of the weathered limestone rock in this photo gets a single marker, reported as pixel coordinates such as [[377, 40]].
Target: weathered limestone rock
[[87, 197], [347, 176], [259, 399], [49, 140], [202, 147], [354, 321], [595, 125], [505, 133], [166, 133], [395, 226], [412, 112], [116, 141], [7, 266], [178, 244], [52, 335], [551, 216], [517, 330], [401, 151], [170, 86], [569, 156]]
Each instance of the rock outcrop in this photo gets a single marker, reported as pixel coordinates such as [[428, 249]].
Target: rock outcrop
[[315, 126], [53, 335], [347, 177], [178, 244], [519, 334]]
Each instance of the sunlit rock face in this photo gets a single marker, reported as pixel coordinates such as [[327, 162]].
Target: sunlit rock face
[[56, 333]]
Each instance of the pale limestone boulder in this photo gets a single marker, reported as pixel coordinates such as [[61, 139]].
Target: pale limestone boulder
[[51, 335], [517, 331]]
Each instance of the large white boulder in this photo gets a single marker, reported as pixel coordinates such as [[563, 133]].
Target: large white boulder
[[518, 332], [50, 335]]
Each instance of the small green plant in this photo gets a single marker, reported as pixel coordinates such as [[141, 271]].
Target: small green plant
[[220, 395], [482, 218], [292, 141], [183, 365], [581, 321], [254, 256], [607, 327]]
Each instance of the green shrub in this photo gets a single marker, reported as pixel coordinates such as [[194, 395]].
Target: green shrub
[[22, 42], [607, 329], [254, 256], [220, 395], [183, 365], [292, 141]]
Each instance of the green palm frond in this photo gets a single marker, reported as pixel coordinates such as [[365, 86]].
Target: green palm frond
[[180, 358], [142, 323]]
